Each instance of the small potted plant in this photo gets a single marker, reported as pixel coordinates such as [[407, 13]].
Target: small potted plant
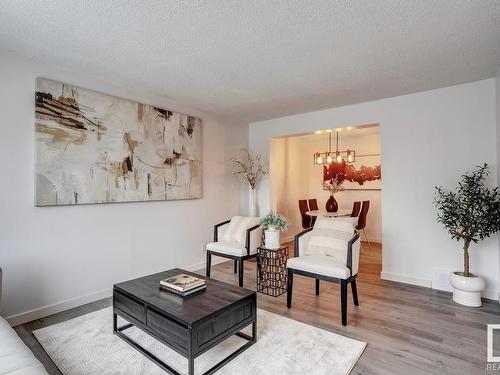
[[272, 224], [470, 214]]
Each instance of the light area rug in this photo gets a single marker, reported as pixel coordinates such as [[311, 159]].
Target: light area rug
[[87, 345]]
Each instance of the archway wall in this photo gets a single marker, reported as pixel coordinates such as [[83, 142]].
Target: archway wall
[[428, 138]]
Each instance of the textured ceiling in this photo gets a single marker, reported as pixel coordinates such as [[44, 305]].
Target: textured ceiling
[[258, 59]]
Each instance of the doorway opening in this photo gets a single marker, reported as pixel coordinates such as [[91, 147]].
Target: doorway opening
[[310, 166]]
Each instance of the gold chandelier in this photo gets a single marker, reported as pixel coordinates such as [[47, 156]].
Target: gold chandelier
[[337, 156]]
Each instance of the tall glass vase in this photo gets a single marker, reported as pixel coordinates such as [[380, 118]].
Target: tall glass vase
[[252, 208]]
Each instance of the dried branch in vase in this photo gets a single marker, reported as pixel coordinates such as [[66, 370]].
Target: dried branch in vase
[[334, 186], [251, 169]]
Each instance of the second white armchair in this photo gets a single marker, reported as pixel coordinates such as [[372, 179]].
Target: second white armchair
[[329, 252], [236, 239]]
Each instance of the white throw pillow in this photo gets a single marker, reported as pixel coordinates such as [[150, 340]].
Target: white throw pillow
[[236, 230], [330, 237]]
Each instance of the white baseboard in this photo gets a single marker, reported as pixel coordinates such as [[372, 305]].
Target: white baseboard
[[201, 265], [405, 279], [42, 312], [372, 240], [438, 283], [490, 293], [55, 308]]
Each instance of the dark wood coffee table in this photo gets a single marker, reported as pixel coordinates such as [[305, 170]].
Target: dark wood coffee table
[[189, 325]]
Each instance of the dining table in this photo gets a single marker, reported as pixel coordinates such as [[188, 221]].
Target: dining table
[[341, 212]]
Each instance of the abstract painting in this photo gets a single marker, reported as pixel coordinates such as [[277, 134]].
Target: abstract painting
[[364, 174], [97, 148]]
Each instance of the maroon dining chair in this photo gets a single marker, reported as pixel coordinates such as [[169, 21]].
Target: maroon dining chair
[[356, 207], [306, 219], [313, 205], [362, 220]]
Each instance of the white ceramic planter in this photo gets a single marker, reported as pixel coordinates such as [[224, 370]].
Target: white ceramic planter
[[272, 240], [467, 290]]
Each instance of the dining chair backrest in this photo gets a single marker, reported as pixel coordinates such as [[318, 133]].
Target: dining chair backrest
[[362, 215], [306, 219], [356, 207], [313, 204]]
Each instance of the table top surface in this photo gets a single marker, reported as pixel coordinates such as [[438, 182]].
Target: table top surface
[[188, 309], [282, 247], [340, 212]]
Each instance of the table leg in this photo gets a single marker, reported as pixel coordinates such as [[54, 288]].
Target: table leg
[[190, 365], [254, 330]]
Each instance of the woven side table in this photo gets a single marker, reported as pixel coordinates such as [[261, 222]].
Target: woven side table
[[271, 271]]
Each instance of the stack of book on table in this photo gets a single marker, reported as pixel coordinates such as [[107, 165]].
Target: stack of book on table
[[183, 284]]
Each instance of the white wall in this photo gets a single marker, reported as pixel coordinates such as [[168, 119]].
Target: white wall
[[278, 178], [303, 178], [285, 183], [497, 90], [296, 187], [427, 139], [497, 80], [57, 257]]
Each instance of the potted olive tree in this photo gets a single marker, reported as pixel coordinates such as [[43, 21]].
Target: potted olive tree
[[272, 224], [471, 213]]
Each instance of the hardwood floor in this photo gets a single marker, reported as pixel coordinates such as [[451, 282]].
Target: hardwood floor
[[409, 329]]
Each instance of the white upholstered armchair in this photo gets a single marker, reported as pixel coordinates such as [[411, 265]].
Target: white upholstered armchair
[[236, 239], [329, 252]]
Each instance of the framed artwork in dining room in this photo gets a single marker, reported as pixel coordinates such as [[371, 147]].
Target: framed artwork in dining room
[[96, 148], [365, 173]]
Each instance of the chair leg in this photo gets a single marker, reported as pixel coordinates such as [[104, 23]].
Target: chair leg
[[343, 301], [369, 244], [240, 275], [209, 261], [317, 287], [235, 266], [354, 292], [289, 289]]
